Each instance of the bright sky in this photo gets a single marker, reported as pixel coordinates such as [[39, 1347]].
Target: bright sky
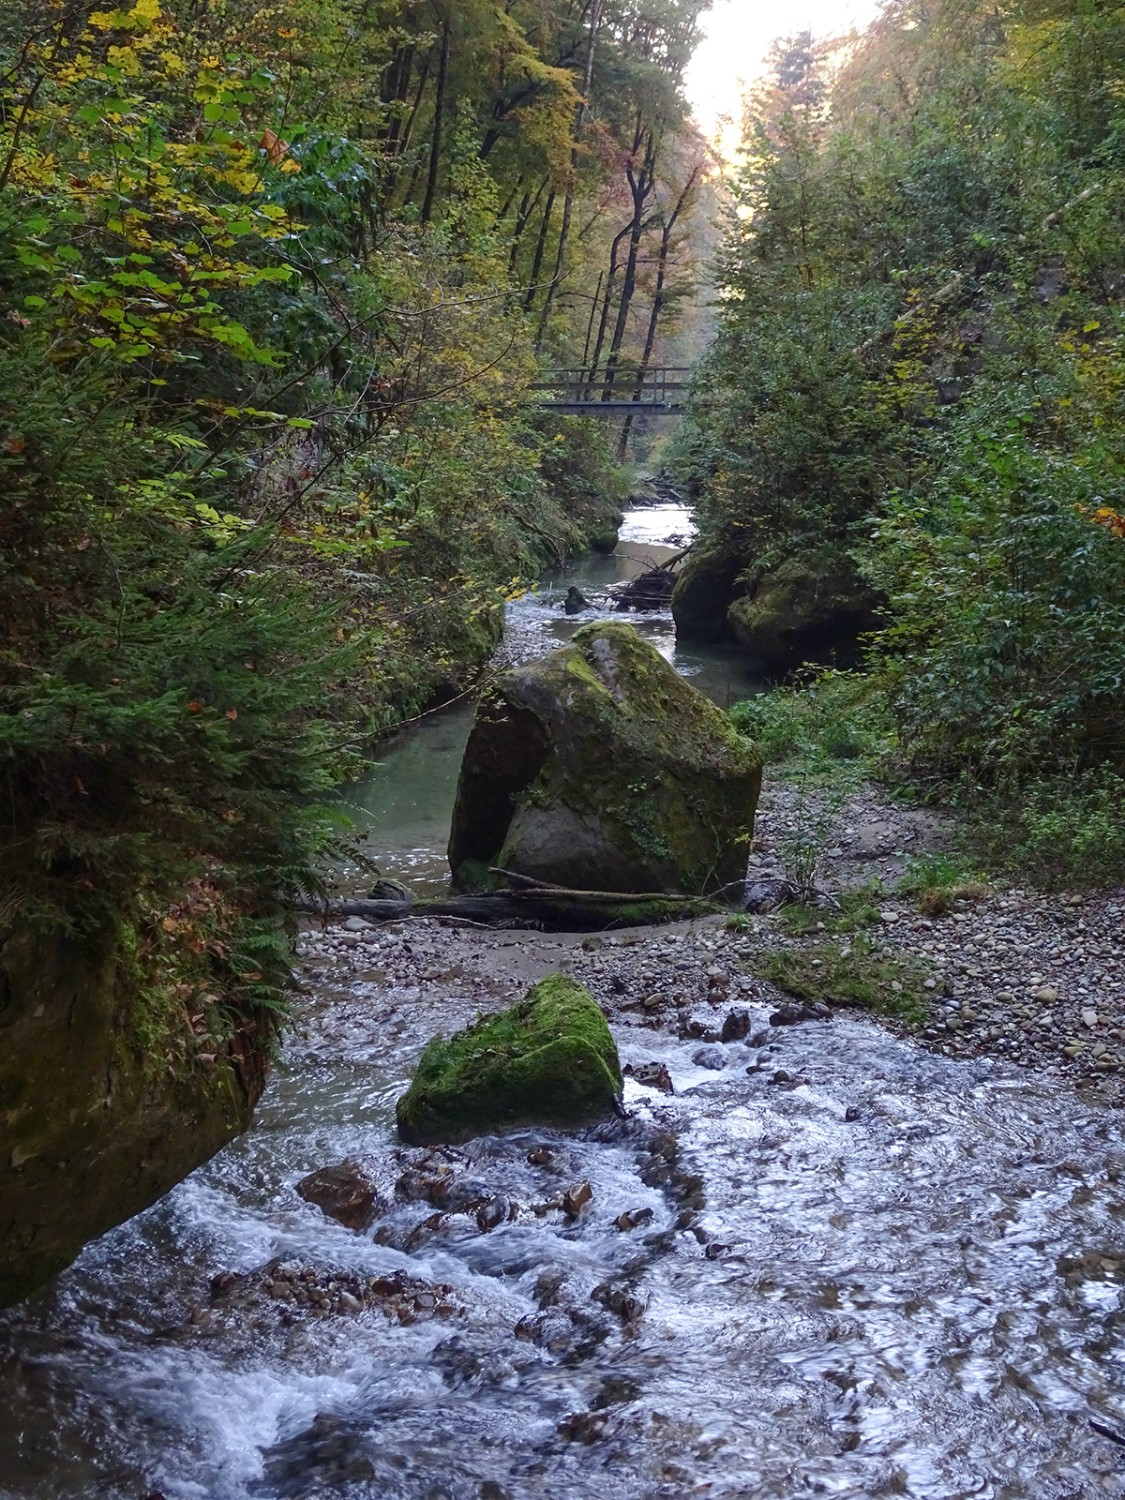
[[738, 36]]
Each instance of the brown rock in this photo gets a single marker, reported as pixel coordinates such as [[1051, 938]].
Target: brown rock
[[575, 1199], [344, 1193]]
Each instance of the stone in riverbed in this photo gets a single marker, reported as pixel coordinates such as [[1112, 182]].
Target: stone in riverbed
[[599, 767], [344, 1193], [549, 1060]]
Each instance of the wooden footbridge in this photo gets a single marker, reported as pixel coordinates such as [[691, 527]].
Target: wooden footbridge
[[658, 392]]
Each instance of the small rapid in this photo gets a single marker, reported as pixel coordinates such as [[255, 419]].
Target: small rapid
[[830, 1263]]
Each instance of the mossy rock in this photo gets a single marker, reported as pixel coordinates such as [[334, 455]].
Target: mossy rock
[[599, 768], [811, 609], [101, 1112], [702, 596], [548, 1060]]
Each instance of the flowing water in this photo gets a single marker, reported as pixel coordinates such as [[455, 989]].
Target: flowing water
[[902, 1276]]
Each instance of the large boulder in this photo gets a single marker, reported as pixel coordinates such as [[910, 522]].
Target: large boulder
[[704, 589], [548, 1060], [810, 609], [598, 767]]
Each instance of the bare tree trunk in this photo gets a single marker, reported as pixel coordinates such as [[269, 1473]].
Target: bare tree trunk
[[610, 281], [657, 301], [575, 159], [641, 185], [439, 124], [540, 251]]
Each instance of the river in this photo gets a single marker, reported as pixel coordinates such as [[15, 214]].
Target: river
[[899, 1274]]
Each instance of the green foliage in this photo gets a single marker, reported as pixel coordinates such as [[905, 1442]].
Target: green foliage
[[853, 910], [856, 972], [268, 476], [1062, 833], [920, 368], [939, 882], [823, 725]]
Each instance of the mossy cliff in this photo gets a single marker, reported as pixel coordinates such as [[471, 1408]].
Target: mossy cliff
[[813, 607], [599, 767], [108, 1097], [548, 1060], [810, 609]]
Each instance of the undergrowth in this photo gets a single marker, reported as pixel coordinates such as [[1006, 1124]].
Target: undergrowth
[[851, 973]]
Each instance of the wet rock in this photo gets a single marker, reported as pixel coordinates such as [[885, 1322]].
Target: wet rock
[[736, 1026], [702, 595], [429, 1182], [623, 1301], [551, 1330], [575, 1199], [575, 601], [652, 1075], [540, 1156], [633, 1218], [496, 1211], [793, 1012], [549, 1059], [343, 1192], [765, 895], [583, 1427], [712, 1057]]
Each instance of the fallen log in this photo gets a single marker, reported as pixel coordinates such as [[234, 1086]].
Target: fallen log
[[545, 909]]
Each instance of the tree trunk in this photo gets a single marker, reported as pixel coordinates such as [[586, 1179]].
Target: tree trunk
[[439, 125], [575, 159], [657, 302], [641, 185], [540, 251]]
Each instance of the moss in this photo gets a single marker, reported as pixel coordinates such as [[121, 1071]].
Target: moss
[[548, 1060], [855, 974]]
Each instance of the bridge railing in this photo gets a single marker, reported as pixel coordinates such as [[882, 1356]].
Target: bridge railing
[[660, 387]]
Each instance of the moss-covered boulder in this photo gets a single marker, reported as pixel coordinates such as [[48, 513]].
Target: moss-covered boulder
[[810, 609], [702, 596], [599, 768], [549, 1060], [107, 1098]]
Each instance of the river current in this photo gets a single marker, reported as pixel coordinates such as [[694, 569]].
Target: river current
[[901, 1277]]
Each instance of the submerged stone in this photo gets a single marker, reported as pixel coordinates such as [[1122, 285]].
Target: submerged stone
[[548, 1060], [598, 767]]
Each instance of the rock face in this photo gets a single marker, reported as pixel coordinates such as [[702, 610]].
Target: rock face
[[95, 1124], [549, 1060], [808, 610], [598, 767]]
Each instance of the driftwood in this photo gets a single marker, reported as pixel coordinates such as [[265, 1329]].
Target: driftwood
[[531, 904]]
